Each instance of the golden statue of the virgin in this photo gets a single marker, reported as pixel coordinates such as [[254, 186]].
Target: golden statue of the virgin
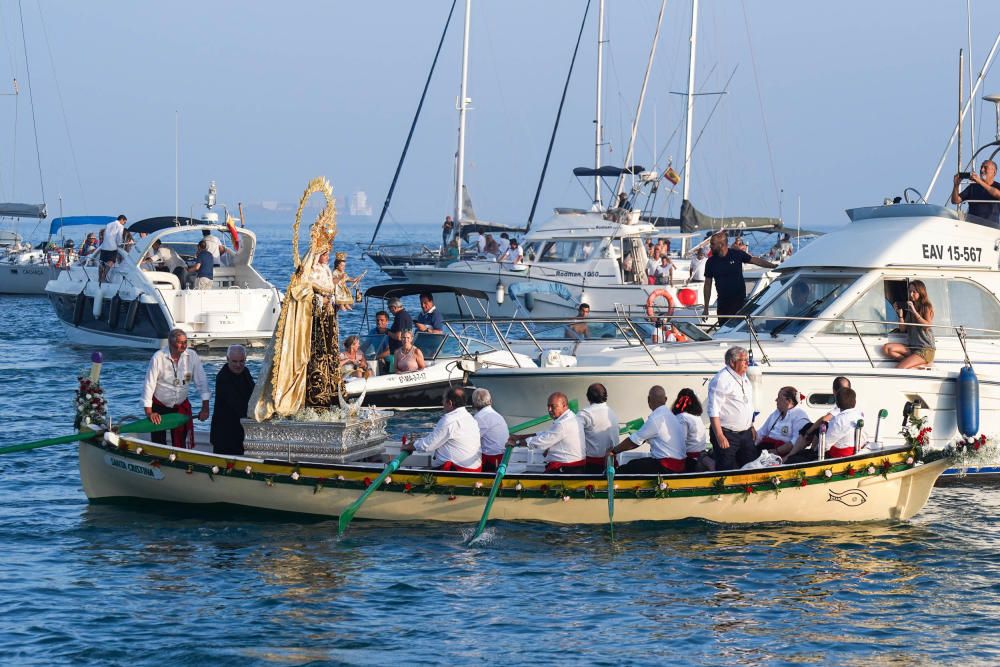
[[302, 362]]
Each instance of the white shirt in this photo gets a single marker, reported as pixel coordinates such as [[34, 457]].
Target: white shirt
[[730, 398], [455, 438], [513, 255], [504, 245], [664, 269], [600, 428], [665, 434], [564, 440], [212, 244], [651, 266], [114, 234], [695, 435], [481, 244], [784, 428], [493, 431], [697, 269], [168, 381], [840, 432]]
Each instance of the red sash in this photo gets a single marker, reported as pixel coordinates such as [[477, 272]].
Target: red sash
[[451, 466], [182, 433], [596, 460], [771, 443], [673, 465], [491, 461], [694, 456], [556, 465], [839, 452]]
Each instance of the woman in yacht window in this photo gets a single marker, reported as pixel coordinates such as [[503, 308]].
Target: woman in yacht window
[[918, 310]]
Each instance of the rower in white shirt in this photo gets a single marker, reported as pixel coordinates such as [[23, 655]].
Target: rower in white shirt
[[730, 413], [493, 431], [804, 447], [688, 410], [563, 442], [455, 438], [665, 435], [845, 426], [600, 428], [782, 427], [170, 372]]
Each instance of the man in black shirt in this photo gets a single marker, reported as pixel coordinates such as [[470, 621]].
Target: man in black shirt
[[983, 187], [725, 269], [401, 322]]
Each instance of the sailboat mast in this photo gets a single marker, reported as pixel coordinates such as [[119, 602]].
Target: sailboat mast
[[597, 123], [690, 100], [462, 102]]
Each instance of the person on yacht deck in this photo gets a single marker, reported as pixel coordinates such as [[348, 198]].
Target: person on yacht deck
[[429, 320], [563, 442], [600, 428], [919, 348], [514, 254], [352, 359], [688, 409], [665, 271], [170, 372], [214, 246], [455, 438], [203, 267], [89, 245], [112, 238], [730, 413], [503, 244], [409, 357], [579, 330], [696, 270], [984, 193], [666, 437], [492, 248], [782, 427], [401, 321], [493, 431], [725, 269]]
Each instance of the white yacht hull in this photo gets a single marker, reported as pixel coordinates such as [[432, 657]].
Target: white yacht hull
[[27, 279]]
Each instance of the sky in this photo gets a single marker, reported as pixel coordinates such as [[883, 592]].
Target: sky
[[832, 104]]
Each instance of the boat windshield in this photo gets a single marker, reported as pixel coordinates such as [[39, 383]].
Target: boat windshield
[[799, 296], [560, 250]]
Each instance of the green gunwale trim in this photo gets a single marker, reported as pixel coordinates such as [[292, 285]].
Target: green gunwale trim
[[659, 487]]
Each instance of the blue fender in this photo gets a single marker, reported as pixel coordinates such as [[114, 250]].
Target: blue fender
[[967, 402]]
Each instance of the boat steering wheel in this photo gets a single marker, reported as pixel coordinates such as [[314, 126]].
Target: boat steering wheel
[[919, 200]]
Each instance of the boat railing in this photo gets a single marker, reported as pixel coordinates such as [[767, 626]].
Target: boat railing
[[960, 331]]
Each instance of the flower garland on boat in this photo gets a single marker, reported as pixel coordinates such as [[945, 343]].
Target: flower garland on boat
[[91, 405], [916, 432], [973, 452]]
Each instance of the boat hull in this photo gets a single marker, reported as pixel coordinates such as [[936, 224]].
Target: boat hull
[[882, 487], [26, 279]]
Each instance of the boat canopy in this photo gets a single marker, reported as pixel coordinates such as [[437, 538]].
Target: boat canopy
[[399, 290], [11, 210], [693, 220], [150, 225], [75, 220], [607, 171], [481, 227]]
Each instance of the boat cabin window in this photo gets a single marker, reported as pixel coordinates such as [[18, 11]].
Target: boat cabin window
[[429, 343], [956, 303], [803, 297], [563, 251]]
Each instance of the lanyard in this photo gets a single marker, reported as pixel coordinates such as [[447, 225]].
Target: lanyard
[[737, 378]]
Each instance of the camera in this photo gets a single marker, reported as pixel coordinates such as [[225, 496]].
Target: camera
[[964, 175]]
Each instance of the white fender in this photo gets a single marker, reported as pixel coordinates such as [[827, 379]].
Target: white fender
[[98, 302]]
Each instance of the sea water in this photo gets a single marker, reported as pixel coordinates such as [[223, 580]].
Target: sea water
[[119, 584]]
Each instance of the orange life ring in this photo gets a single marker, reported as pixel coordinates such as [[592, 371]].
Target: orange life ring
[[653, 296], [61, 260]]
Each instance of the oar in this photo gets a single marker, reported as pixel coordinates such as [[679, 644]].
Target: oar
[[348, 514], [632, 426], [502, 468], [142, 426], [611, 493]]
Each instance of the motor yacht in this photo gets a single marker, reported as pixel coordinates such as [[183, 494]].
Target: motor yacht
[[143, 298], [851, 278]]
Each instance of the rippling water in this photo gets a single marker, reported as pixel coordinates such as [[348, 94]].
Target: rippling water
[[115, 584]]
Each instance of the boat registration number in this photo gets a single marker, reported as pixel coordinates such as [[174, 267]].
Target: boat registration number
[[955, 253], [413, 377], [141, 469]]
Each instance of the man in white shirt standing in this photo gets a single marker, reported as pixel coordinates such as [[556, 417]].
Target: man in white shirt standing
[[170, 372], [696, 270], [114, 236], [214, 245], [600, 428], [493, 431], [666, 437], [563, 442], [504, 244], [455, 438], [730, 413]]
